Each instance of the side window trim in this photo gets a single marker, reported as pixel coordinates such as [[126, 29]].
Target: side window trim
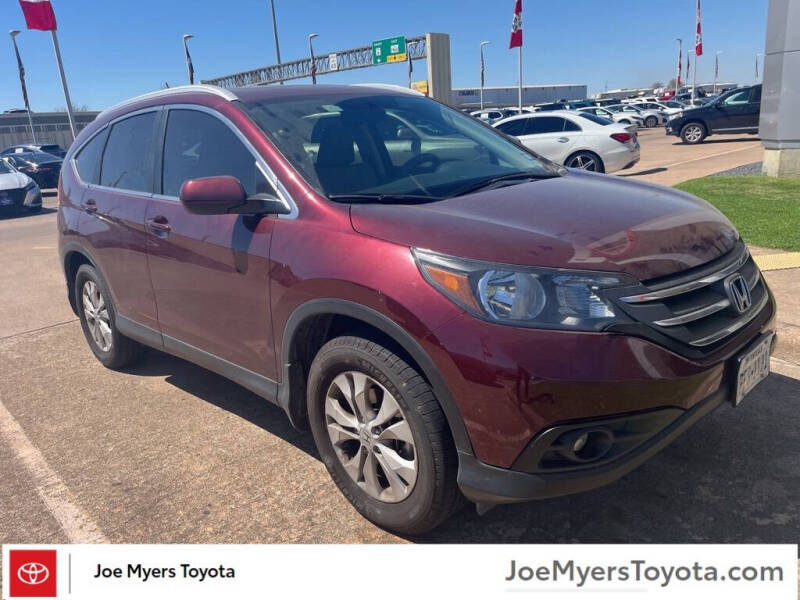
[[260, 164]]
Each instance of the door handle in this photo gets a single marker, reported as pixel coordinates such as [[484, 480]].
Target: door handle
[[159, 225], [563, 140], [90, 206]]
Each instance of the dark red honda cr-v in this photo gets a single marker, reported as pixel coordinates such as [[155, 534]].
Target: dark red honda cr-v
[[450, 314]]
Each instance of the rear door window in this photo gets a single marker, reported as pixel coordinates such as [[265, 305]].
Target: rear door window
[[755, 95], [88, 159], [197, 145], [129, 155], [544, 125], [515, 127]]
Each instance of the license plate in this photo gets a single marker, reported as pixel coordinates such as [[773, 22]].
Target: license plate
[[753, 367]]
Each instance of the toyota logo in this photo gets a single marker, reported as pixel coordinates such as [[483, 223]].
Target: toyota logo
[[738, 292], [33, 573]]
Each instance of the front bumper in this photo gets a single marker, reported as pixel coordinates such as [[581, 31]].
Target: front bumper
[[642, 435], [672, 127]]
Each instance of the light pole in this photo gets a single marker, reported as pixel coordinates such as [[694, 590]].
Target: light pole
[[758, 56], [313, 63], [680, 65], [483, 68], [275, 31], [716, 70], [14, 33], [189, 64], [689, 62]]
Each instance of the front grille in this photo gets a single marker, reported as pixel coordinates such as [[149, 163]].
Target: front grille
[[696, 308]]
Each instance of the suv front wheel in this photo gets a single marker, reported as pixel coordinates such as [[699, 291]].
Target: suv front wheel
[[693, 133], [382, 436]]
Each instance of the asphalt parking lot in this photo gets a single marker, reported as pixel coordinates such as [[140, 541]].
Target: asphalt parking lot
[[169, 452]]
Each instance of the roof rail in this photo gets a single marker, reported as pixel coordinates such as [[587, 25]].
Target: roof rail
[[227, 94], [389, 86]]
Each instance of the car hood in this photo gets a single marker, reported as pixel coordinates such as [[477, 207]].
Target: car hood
[[579, 221], [13, 181]]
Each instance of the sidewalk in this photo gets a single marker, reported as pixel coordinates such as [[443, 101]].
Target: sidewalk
[[782, 272]]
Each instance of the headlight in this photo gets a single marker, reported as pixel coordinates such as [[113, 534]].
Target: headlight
[[525, 296], [677, 115], [31, 185]]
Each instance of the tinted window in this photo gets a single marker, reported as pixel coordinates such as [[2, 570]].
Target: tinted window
[[755, 96], [515, 127], [570, 126], [200, 145], [128, 159], [742, 97], [595, 119], [545, 125], [88, 159]]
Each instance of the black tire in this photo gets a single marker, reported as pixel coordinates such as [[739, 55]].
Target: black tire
[[625, 121], [123, 351], [588, 158], [693, 133], [651, 121], [435, 495]]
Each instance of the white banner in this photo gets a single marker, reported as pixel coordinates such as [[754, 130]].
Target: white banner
[[400, 572]]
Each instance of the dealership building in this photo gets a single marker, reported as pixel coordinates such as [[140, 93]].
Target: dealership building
[[509, 96]]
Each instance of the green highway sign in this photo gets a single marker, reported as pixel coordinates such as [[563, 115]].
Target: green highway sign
[[389, 50]]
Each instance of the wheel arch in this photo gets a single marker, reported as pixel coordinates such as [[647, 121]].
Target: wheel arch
[[330, 317], [73, 255]]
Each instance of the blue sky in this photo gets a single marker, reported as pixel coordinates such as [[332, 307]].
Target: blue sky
[[114, 50]]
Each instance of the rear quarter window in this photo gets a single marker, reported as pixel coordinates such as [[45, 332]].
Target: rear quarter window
[[87, 162]]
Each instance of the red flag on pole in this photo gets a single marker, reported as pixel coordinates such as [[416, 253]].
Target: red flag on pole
[[39, 14], [698, 42], [516, 27]]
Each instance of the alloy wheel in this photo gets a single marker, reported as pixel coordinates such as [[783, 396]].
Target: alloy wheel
[[693, 133], [371, 437], [587, 162], [96, 313]]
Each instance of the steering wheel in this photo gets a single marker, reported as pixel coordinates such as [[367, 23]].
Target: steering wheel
[[415, 163]]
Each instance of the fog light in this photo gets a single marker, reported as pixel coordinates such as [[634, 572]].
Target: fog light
[[579, 444]]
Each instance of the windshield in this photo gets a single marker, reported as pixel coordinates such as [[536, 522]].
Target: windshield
[[345, 145]]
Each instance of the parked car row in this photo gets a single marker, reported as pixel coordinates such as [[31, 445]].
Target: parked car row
[[43, 167]]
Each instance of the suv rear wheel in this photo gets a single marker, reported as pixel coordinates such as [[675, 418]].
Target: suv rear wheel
[[693, 133], [98, 320], [382, 436]]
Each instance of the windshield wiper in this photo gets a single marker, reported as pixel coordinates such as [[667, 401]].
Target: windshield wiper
[[487, 183], [385, 198]]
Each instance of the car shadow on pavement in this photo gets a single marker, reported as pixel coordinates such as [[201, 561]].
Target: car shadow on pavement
[[645, 172], [225, 394], [734, 477], [723, 140]]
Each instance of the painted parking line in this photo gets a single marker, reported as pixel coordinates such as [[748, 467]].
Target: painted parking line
[[775, 262], [77, 525], [707, 156]]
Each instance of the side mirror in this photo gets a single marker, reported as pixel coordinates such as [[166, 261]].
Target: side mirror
[[225, 195], [404, 133]]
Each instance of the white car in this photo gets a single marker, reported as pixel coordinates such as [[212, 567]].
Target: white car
[[668, 108], [575, 139], [650, 118], [625, 118], [17, 190], [489, 115]]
